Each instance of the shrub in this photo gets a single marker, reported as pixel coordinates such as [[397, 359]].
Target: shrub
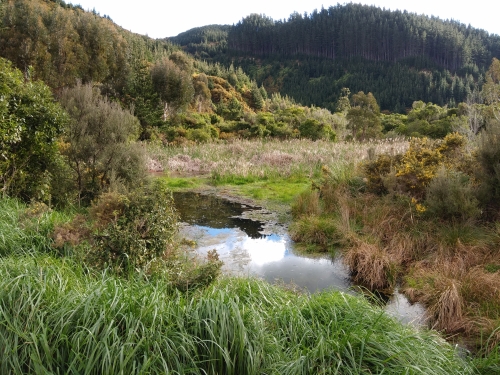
[[449, 196], [30, 122], [133, 230], [375, 171], [412, 173]]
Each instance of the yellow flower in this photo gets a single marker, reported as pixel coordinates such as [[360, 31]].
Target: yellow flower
[[420, 208]]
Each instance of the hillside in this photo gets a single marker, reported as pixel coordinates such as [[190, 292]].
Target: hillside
[[398, 56]]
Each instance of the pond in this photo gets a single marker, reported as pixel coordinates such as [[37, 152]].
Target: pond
[[251, 242]]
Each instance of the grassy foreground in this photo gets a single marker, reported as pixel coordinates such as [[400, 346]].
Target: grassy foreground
[[55, 317]]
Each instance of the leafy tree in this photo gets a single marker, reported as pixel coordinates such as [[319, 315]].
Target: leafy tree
[[364, 117], [98, 143], [343, 104], [428, 120], [140, 95], [30, 122], [491, 88], [173, 85]]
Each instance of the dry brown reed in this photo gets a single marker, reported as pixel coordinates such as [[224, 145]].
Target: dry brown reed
[[460, 294], [370, 266], [447, 311]]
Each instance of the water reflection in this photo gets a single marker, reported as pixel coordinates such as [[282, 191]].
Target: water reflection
[[213, 212], [252, 248], [270, 257]]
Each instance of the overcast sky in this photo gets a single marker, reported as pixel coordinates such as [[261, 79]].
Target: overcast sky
[[163, 18]]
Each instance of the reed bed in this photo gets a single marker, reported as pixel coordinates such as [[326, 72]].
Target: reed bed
[[267, 158], [56, 317]]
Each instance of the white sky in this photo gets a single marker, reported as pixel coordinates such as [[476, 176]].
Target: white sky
[[160, 19]]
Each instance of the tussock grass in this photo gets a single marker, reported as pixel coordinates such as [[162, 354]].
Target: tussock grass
[[461, 298], [371, 266], [56, 317]]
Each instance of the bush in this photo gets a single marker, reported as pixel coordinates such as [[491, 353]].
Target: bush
[[412, 173], [131, 231], [30, 122], [449, 196], [99, 143]]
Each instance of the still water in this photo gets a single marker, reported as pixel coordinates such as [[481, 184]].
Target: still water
[[250, 242]]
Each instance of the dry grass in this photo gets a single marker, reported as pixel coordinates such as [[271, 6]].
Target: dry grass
[[267, 157], [462, 297], [447, 311], [444, 264], [371, 266]]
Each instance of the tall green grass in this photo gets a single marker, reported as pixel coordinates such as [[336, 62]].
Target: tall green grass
[[26, 229], [56, 317]]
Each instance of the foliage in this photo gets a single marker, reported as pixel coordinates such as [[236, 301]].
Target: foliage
[[98, 143], [363, 117], [30, 122], [173, 85], [427, 120], [450, 196], [134, 230]]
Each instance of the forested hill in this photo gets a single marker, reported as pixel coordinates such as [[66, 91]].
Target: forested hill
[[399, 56], [353, 30]]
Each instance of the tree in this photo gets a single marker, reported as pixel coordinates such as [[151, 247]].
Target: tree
[[30, 122], [491, 88], [364, 117], [99, 144], [343, 105], [173, 85]]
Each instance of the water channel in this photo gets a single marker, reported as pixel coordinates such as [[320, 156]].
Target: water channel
[[251, 242]]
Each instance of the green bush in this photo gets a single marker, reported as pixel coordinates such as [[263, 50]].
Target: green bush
[[133, 230], [30, 122], [99, 143], [450, 196]]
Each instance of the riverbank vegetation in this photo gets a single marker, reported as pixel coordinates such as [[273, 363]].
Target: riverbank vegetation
[[58, 314]]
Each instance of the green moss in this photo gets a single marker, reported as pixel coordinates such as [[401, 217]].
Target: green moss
[[492, 267], [180, 183]]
